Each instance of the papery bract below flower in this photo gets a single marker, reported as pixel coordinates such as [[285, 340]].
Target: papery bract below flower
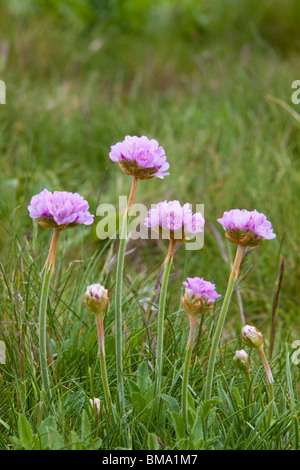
[[96, 298], [60, 209], [174, 221], [140, 157], [245, 227], [199, 296]]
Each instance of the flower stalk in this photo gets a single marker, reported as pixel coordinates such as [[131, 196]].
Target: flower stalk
[[48, 269], [161, 315], [188, 353], [50, 261], [101, 352], [96, 300], [59, 210], [118, 295], [220, 324], [270, 380]]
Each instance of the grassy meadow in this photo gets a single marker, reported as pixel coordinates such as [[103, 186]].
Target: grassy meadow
[[216, 94]]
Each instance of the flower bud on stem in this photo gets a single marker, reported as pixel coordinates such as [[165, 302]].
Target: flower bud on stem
[[199, 297], [101, 352], [96, 301], [253, 338]]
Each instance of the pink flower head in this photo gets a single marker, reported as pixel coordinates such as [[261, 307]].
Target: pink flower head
[[140, 157], [60, 209], [199, 296], [175, 221], [247, 228]]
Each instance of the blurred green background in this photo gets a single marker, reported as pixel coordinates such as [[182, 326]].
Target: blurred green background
[[210, 80]]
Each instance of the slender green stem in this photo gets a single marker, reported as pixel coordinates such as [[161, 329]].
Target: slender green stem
[[186, 369], [48, 269], [118, 298], [274, 310], [219, 328], [216, 340], [43, 333], [188, 353], [247, 376], [118, 312], [271, 400], [161, 317], [101, 352], [296, 426], [106, 386]]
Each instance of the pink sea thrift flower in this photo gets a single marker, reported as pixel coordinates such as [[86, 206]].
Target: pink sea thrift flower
[[60, 209], [246, 228], [140, 157], [199, 296], [174, 221]]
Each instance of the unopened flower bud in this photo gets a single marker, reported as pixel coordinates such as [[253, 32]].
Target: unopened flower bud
[[96, 298], [199, 296], [252, 337], [242, 360], [95, 405]]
